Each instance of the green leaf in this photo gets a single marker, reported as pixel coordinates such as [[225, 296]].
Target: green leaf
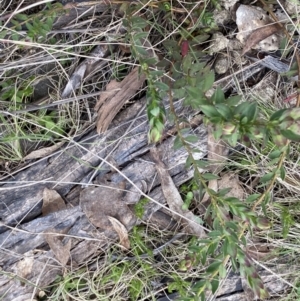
[[251, 112], [244, 240], [192, 91], [231, 249], [242, 110], [222, 271], [171, 44], [155, 73], [201, 163], [223, 192], [208, 81], [3, 34], [275, 154], [191, 139], [252, 197], [17, 25], [140, 35], [154, 135], [196, 68], [50, 21], [161, 86], [210, 176], [186, 63], [278, 114], [15, 36], [155, 112], [267, 177], [210, 111], [138, 22], [214, 285], [233, 100], [46, 28], [201, 38], [141, 50], [218, 132], [291, 135], [21, 17], [224, 110], [234, 210], [232, 139], [282, 172], [189, 161], [216, 224], [199, 285], [232, 225], [214, 233], [29, 27], [202, 296], [203, 257], [218, 96], [177, 143], [212, 248], [213, 267]]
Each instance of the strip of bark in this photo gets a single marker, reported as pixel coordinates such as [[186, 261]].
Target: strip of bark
[[259, 35], [174, 199]]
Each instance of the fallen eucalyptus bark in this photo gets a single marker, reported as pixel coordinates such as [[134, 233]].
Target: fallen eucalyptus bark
[[22, 229]]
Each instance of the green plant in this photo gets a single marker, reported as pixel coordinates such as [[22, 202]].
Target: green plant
[[139, 207], [38, 25], [176, 31], [233, 121]]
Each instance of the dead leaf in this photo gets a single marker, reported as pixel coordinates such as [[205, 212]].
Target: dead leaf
[[24, 266], [98, 203], [44, 152], [109, 105], [217, 152], [111, 89], [260, 34], [260, 252], [174, 199], [231, 180], [122, 232], [60, 250], [213, 185], [52, 202]]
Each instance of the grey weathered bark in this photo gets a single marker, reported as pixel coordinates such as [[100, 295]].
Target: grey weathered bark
[[23, 226]]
